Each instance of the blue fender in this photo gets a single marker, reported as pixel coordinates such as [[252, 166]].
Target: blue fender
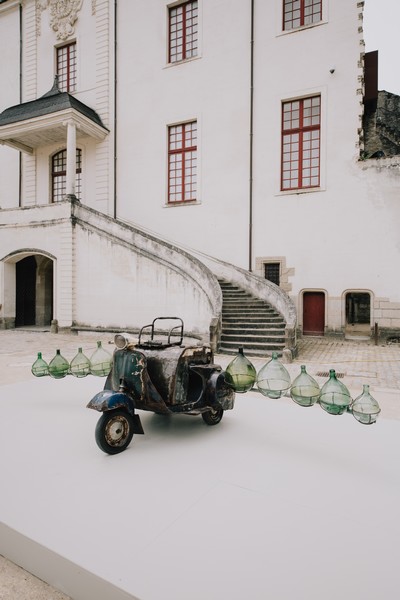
[[110, 400]]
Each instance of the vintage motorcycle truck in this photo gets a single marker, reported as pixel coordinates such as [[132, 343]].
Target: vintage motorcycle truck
[[161, 375]]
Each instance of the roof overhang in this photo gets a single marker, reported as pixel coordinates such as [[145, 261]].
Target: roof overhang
[[29, 134]]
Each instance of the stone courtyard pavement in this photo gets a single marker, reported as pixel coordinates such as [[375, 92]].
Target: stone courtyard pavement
[[357, 363]]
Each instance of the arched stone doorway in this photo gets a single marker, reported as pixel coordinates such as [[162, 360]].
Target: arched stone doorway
[[358, 313], [28, 289], [34, 291]]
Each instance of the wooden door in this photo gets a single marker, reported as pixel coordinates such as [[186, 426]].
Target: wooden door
[[313, 313]]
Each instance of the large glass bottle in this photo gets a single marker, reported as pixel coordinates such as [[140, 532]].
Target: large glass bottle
[[365, 408], [58, 366], [273, 380], [80, 365], [40, 368], [305, 390], [335, 397], [100, 361], [240, 373]]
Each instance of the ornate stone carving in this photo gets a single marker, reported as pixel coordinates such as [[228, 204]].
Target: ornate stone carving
[[63, 16], [41, 5]]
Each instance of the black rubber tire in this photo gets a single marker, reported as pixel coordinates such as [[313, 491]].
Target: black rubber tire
[[213, 417], [114, 431]]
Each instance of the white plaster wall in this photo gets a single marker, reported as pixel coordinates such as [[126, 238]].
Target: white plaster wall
[[315, 231], [89, 180], [121, 288], [343, 237], [9, 167], [323, 233], [29, 232], [9, 77], [94, 72], [214, 89], [84, 36], [105, 275]]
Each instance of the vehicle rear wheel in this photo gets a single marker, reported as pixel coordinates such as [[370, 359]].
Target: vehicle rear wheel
[[213, 416], [114, 431]]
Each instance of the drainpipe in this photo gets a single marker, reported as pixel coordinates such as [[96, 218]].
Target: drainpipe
[[115, 110], [20, 101], [251, 138]]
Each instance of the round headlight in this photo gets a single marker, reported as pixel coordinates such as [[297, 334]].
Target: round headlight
[[121, 340]]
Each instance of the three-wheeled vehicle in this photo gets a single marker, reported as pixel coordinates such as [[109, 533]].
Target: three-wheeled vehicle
[[158, 374]]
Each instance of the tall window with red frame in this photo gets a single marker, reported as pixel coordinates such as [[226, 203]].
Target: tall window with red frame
[[183, 31], [182, 162], [59, 175], [298, 13], [66, 67], [301, 146]]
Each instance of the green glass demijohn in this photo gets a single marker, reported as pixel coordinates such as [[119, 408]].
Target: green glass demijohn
[[365, 408], [240, 373], [100, 361], [305, 390], [58, 366], [80, 365], [273, 380], [40, 368], [335, 397]]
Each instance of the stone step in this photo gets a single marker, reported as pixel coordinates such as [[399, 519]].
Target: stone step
[[247, 306], [249, 340], [246, 331], [251, 349], [259, 328], [250, 323], [237, 298], [245, 313], [231, 292], [252, 318]]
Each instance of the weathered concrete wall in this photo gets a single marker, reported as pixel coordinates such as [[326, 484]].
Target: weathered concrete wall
[[126, 278]]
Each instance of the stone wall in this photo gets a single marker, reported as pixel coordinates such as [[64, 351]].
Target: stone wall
[[382, 126]]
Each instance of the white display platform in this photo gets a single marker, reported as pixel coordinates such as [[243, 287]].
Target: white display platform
[[277, 502]]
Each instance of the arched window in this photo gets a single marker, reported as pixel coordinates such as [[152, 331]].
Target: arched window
[[59, 175]]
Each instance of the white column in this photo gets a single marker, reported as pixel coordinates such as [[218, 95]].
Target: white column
[[71, 159]]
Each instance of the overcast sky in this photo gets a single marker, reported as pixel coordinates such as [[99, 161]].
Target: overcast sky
[[381, 27]]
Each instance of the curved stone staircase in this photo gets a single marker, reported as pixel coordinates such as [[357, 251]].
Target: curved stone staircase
[[250, 323]]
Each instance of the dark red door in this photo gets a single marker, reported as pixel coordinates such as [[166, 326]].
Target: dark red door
[[313, 313]]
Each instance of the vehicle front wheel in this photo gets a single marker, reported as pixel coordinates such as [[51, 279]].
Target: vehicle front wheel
[[212, 416], [114, 431]]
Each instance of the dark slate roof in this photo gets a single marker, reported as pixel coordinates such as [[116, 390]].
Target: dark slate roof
[[51, 102]]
